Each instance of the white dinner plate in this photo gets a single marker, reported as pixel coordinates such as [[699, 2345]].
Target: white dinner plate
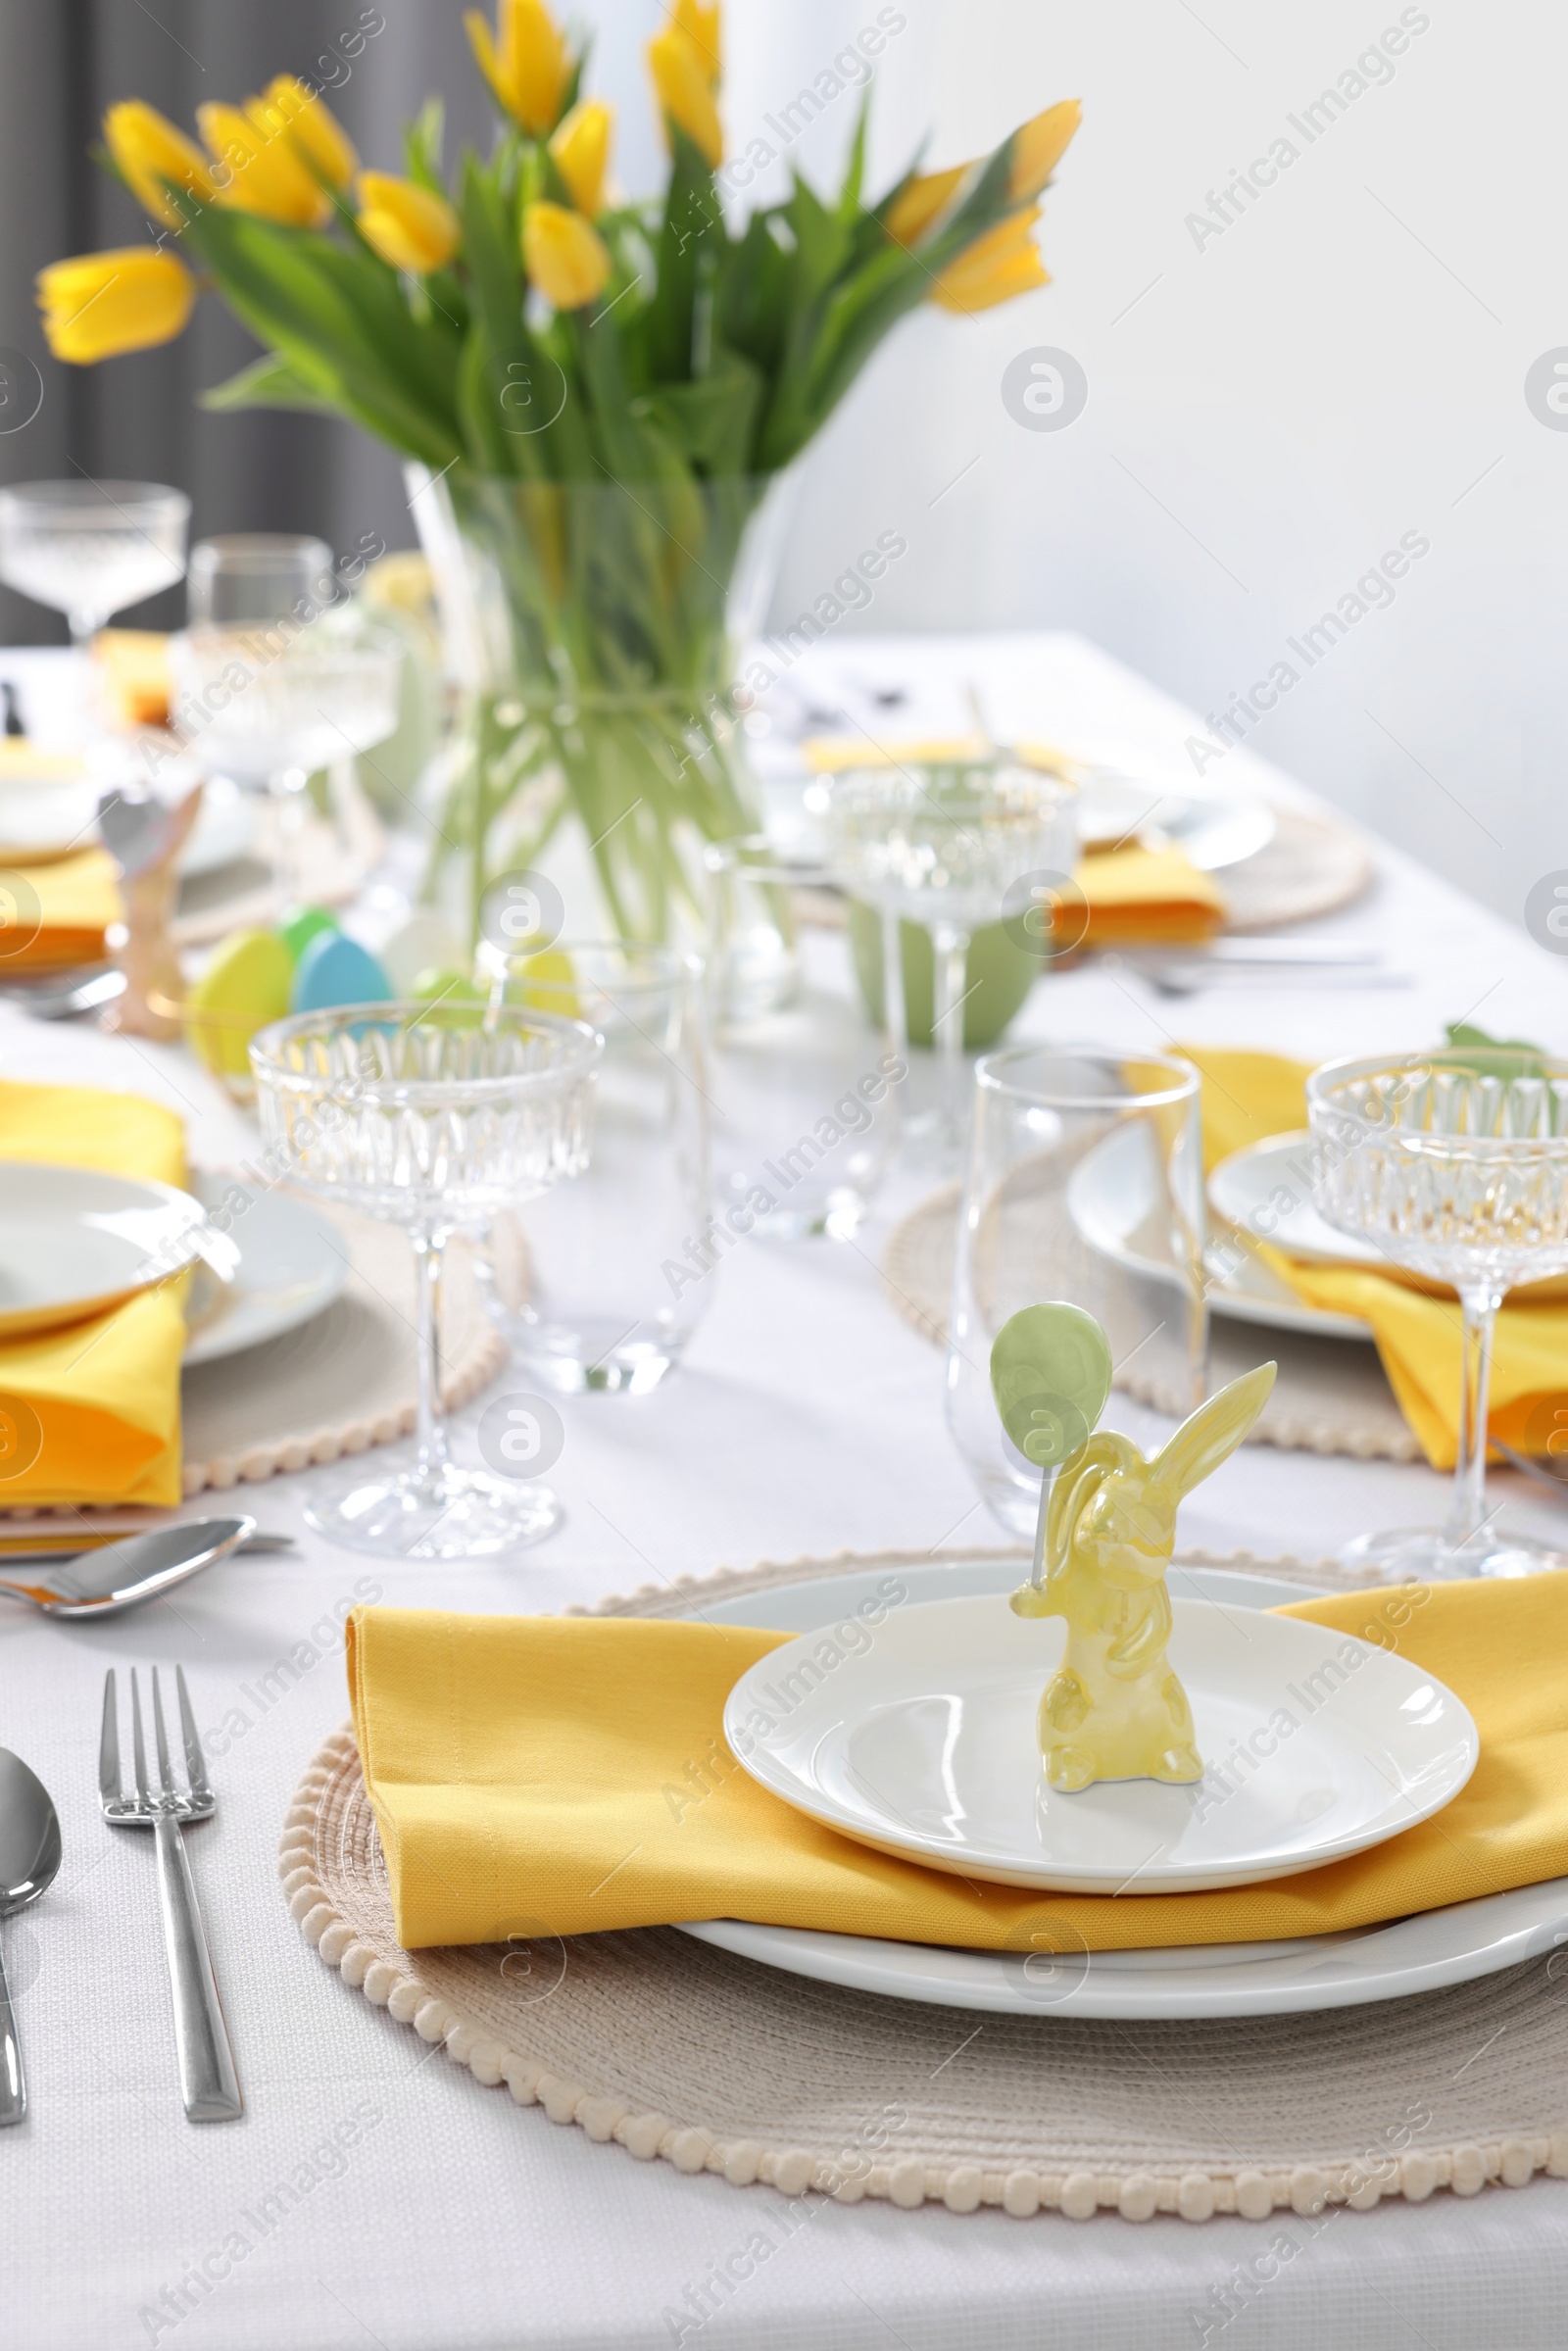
[[1454, 1946], [75, 1242], [921, 1743], [1213, 830], [291, 1267], [1115, 1199], [52, 813]]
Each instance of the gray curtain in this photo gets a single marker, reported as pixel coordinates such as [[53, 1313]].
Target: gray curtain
[[61, 63]]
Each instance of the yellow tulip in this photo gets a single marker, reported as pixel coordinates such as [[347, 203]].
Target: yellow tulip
[[148, 150], [685, 92], [581, 150], [101, 304], [527, 63], [1038, 147], [699, 21], [405, 225], [257, 169], [1003, 263], [313, 128], [921, 201], [565, 258]]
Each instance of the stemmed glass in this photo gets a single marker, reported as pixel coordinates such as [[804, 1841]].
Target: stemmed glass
[[1457, 1177], [88, 548], [431, 1117], [953, 844], [272, 681]]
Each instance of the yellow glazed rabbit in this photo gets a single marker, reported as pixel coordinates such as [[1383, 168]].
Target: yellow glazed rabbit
[[1114, 1709]]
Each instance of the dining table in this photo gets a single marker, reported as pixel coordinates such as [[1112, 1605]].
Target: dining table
[[375, 2193]]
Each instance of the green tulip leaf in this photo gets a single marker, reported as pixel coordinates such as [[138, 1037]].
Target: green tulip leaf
[[1050, 1377]]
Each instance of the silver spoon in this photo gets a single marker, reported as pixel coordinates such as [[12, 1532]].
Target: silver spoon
[[29, 1855], [121, 1575]]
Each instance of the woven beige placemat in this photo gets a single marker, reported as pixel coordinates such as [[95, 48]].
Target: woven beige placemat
[[1332, 1396], [344, 1381], [675, 2049], [1313, 865]]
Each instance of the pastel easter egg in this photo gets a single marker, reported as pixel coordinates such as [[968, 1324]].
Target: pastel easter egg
[[244, 986], [424, 941], [297, 930], [336, 970], [447, 984], [1050, 1376], [545, 982]]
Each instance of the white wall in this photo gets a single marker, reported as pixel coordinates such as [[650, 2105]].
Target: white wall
[[1344, 364]]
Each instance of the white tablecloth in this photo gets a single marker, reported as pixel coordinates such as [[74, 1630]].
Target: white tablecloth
[[375, 2193]]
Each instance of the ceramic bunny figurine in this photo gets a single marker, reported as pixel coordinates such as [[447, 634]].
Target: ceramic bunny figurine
[[1114, 1709]]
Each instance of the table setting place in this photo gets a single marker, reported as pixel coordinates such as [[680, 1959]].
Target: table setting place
[[783, 1424]]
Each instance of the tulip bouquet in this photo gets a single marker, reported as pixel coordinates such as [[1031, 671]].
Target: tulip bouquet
[[603, 388]]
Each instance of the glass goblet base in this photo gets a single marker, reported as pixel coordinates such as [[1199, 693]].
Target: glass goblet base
[[440, 1513], [1424, 1555]]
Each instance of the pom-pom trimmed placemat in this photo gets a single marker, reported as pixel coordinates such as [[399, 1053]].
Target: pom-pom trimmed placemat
[[673, 2049], [344, 1381], [1332, 1396]]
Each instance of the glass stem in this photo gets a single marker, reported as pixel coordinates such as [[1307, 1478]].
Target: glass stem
[[429, 1427], [83, 626], [951, 955], [1468, 1508], [287, 789]]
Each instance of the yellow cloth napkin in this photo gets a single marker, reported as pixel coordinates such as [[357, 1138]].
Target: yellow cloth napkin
[[56, 914], [1248, 1096], [103, 1394], [568, 1773], [137, 677], [1147, 898]]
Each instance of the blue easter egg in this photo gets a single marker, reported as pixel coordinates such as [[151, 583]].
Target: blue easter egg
[[335, 971]]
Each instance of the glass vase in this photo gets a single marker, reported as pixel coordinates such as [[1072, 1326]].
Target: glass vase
[[590, 628]]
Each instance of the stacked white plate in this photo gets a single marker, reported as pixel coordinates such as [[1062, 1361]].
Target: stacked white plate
[[921, 1743]]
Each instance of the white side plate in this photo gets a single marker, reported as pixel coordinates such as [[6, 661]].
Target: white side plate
[[1455, 1945], [74, 1242], [1267, 1191], [923, 1743], [291, 1267]]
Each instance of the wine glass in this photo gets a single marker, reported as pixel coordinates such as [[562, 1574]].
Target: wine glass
[[271, 701], [432, 1117], [954, 844], [88, 548], [1459, 1177]]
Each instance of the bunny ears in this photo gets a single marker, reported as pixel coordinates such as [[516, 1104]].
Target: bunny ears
[[1211, 1434]]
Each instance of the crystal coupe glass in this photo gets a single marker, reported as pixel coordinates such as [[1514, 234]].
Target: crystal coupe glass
[[88, 548], [956, 844], [431, 1117], [1459, 1177]]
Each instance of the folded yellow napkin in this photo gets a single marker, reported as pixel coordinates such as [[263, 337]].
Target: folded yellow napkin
[[139, 681], [1249, 1096], [103, 1394], [1147, 898], [58, 913], [568, 1773]]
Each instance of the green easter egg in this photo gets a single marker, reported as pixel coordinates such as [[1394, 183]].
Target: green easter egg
[[997, 974], [306, 924], [244, 986], [454, 999], [451, 985], [1050, 1376]]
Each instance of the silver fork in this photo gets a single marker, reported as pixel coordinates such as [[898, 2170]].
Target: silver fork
[[207, 2078]]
